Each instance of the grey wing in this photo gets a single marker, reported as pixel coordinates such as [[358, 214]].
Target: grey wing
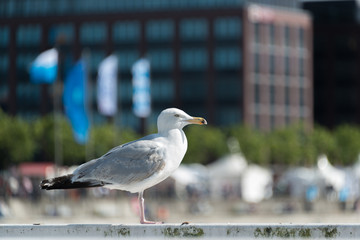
[[125, 164]]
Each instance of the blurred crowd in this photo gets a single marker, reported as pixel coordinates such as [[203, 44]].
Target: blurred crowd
[[230, 178]]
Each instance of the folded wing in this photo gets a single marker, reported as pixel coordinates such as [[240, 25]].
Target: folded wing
[[125, 164]]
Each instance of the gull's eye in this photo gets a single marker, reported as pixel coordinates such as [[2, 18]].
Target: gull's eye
[[176, 115]]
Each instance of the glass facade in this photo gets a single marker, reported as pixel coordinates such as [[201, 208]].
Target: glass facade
[[193, 29], [280, 73], [227, 28], [12, 8], [92, 33], [4, 65], [27, 96], [192, 59], [227, 57], [126, 32], [160, 31], [28, 35], [197, 60], [228, 63], [161, 59]]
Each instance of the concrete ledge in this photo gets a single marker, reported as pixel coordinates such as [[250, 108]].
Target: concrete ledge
[[176, 231]]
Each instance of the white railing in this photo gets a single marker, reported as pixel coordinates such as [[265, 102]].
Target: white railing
[[184, 231]]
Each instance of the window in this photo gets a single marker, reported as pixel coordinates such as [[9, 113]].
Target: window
[[193, 29], [272, 91], [66, 30], [272, 34], [4, 36], [257, 93], [95, 59], [227, 58], [193, 89], [193, 59], [93, 33], [160, 30], [301, 37], [125, 90], [162, 89], [272, 64], [301, 97], [287, 92], [28, 93], [127, 59], [128, 31], [272, 120], [257, 32], [287, 36], [4, 62], [228, 115], [227, 88], [301, 67], [3, 91], [256, 63], [161, 59], [28, 35], [227, 28], [38, 7], [24, 59], [287, 66], [60, 7]]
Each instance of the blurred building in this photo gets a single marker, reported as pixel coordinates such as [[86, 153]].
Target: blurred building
[[229, 61], [336, 61], [277, 71]]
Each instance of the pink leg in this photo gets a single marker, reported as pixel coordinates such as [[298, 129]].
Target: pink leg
[[142, 211]]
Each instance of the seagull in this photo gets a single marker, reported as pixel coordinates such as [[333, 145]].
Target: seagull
[[137, 165]]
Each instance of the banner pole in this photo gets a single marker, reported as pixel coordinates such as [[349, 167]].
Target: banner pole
[[58, 147], [86, 56]]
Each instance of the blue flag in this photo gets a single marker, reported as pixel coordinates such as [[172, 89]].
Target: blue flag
[[75, 102], [44, 67]]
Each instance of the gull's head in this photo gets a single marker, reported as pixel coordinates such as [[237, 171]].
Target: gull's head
[[173, 118]]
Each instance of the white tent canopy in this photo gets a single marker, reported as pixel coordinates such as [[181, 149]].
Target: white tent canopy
[[229, 166]]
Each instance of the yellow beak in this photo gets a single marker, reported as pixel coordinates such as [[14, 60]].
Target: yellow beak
[[197, 120]]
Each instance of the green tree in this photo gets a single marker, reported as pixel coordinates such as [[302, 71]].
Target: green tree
[[44, 130], [293, 145], [16, 143], [348, 141], [324, 142], [107, 136], [205, 144], [307, 148], [126, 135], [252, 142], [285, 146], [73, 153], [102, 139]]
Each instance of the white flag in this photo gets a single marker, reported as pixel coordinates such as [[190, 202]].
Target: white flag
[[107, 86]]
